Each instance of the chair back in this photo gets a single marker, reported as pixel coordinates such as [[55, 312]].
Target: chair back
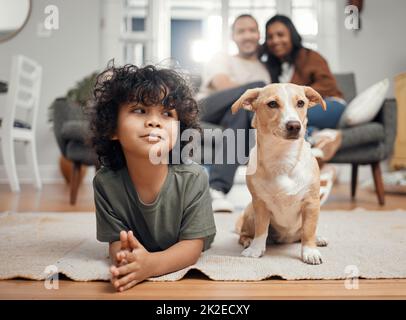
[[23, 92], [346, 83]]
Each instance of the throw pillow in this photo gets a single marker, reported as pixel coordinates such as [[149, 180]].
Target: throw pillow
[[365, 106]]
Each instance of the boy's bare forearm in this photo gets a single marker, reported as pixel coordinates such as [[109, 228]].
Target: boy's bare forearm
[[179, 256]]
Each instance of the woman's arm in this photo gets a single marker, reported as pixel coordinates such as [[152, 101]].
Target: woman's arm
[[323, 79]]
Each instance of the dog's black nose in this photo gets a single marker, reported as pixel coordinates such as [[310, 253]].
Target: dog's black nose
[[293, 127]]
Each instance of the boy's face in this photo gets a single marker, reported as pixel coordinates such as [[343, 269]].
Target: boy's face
[[140, 128]]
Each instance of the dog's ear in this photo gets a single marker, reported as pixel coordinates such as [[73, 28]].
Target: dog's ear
[[314, 98], [246, 100]]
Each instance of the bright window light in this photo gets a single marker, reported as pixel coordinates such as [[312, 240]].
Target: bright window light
[[202, 50], [305, 21], [232, 48], [199, 51]]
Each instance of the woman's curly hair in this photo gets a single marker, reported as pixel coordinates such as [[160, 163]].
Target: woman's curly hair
[[147, 85]]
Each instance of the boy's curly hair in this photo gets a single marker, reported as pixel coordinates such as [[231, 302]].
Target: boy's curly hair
[[147, 85]]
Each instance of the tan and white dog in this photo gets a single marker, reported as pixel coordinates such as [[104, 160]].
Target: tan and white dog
[[282, 175]]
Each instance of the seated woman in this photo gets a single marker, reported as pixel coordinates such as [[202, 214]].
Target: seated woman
[[288, 61]]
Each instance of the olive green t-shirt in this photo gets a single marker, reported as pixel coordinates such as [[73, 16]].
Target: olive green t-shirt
[[182, 209]]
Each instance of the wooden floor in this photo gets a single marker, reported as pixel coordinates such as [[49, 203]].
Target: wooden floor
[[195, 286]]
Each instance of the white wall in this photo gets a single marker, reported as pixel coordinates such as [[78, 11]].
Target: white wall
[[111, 47], [67, 55], [375, 52], [328, 33], [378, 50]]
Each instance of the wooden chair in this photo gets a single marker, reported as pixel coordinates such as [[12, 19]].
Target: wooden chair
[[24, 92]]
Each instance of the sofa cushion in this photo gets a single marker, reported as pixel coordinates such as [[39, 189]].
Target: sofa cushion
[[346, 83], [366, 105]]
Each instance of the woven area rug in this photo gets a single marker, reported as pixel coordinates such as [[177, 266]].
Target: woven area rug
[[362, 244]]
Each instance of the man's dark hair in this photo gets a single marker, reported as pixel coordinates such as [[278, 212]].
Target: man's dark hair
[[245, 15], [273, 63], [147, 85]]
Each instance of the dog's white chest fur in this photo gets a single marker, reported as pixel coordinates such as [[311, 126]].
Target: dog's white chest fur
[[284, 189]]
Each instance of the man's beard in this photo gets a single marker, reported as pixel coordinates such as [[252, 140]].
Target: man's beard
[[250, 54]]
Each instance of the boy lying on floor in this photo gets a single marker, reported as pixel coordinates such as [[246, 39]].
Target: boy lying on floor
[[157, 218]]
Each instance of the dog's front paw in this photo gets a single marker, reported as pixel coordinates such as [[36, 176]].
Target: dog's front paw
[[245, 241], [253, 252], [321, 241], [311, 255]]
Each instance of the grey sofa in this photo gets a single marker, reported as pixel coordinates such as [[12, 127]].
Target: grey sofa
[[71, 131]]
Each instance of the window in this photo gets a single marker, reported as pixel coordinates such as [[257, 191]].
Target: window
[[137, 24], [134, 31], [199, 29], [196, 32], [304, 16], [186, 34]]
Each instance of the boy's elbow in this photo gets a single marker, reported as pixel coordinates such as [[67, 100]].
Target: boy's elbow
[[198, 248], [195, 258]]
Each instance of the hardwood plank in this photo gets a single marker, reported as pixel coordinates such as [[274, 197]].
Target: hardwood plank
[[55, 197], [196, 287]]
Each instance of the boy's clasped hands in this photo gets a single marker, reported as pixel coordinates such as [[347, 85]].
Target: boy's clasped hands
[[133, 263]]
